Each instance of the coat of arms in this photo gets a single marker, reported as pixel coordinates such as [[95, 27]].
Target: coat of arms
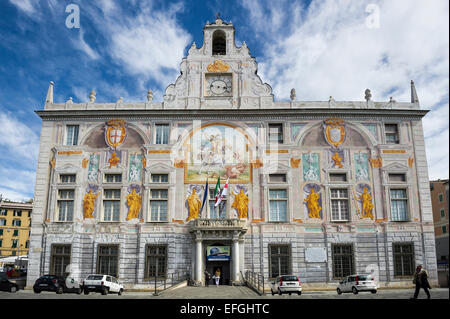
[[334, 131], [115, 133]]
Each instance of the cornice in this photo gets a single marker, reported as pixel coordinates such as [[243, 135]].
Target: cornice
[[235, 114]]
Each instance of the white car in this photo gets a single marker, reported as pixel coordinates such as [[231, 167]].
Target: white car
[[102, 283], [286, 284], [357, 283]]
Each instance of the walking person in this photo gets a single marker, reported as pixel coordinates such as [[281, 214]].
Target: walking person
[[421, 281], [217, 277], [207, 278]]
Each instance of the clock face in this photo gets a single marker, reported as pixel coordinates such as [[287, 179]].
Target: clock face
[[218, 85]]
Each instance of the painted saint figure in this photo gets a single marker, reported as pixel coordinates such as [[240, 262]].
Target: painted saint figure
[[88, 204], [241, 204], [312, 202], [114, 160], [367, 205], [134, 204], [194, 204]]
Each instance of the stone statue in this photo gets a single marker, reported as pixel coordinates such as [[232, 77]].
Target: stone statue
[[368, 95], [194, 204], [88, 204], [293, 95], [150, 96], [92, 96], [134, 204], [367, 205], [312, 202], [241, 204]]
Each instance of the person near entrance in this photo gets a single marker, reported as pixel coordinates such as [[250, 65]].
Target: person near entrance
[[217, 277], [207, 278], [421, 281]]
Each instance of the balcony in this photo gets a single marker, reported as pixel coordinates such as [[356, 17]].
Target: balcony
[[217, 224]]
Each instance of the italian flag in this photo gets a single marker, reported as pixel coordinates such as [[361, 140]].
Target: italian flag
[[224, 193], [217, 189]]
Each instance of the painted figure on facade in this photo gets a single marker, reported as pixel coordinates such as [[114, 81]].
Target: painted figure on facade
[[367, 205], [194, 204], [337, 160], [312, 202], [134, 204], [114, 160], [88, 204], [241, 204]]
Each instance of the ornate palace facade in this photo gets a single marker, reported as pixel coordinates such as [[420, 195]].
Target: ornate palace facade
[[317, 189]]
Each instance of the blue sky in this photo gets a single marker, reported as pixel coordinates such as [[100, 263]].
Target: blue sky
[[123, 48]]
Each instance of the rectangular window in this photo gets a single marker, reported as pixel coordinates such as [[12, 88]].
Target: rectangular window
[[278, 205], [444, 229], [113, 178], [162, 134], [391, 131], [279, 256], [1, 243], [67, 178], [397, 178], [338, 177], [276, 133], [403, 259], [27, 244], [72, 134], [17, 213], [158, 205], [108, 260], [14, 243], [1, 232], [399, 205], [160, 178], [441, 198], [13, 253], [65, 205], [2, 222], [3, 212], [16, 222], [217, 212], [343, 264], [111, 205], [339, 205], [277, 178], [16, 233], [156, 261], [442, 213], [60, 259]]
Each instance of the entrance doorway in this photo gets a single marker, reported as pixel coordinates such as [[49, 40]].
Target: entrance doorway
[[218, 257], [224, 268]]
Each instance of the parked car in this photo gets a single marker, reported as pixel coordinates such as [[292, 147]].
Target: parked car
[[357, 283], [6, 285], [286, 284], [57, 284], [102, 283]]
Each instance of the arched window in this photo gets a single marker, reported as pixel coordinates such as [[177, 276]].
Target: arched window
[[219, 46]]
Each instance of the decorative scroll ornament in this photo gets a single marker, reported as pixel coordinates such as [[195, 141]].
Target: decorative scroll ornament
[[115, 133], [376, 162], [410, 162], [218, 66], [334, 131], [84, 162], [295, 162]]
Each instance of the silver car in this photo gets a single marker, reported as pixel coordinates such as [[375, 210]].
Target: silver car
[[286, 284], [357, 283]]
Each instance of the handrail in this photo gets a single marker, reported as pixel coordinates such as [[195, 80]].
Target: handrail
[[169, 281], [255, 281]]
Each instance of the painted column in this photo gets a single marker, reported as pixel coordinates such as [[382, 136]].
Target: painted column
[[199, 257], [235, 257]]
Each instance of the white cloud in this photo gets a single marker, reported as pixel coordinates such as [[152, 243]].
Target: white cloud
[[329, 50], [83, 46], [27, 6]]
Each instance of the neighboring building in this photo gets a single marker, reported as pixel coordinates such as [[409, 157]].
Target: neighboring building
[[15, 226], [440, 202], [319, 189]]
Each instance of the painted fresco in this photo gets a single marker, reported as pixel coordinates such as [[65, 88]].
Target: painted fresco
[[311, 167], [217, 150], [135, 168], [361, 167]]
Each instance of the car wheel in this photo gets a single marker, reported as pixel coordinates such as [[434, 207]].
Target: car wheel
[[289, 294], [13, 289], [79, 290], [279, 291], [374, 291], [355, 291], [60, 290], [36, 291], [86, 292], [272, 292], [104, 291], [339, 291], [120, 292], [299, 293]]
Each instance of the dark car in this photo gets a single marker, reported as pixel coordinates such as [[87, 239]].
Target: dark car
[[54, 283], [6, 285]]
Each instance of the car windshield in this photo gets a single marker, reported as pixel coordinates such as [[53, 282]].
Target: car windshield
[[289, 278], [95, 277]]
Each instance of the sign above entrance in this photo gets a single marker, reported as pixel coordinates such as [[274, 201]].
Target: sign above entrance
[[218, 253]]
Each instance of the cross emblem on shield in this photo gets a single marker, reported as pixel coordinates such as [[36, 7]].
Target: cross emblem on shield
[[115, 133]]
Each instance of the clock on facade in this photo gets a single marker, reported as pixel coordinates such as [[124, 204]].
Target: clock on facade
[[218, 84]]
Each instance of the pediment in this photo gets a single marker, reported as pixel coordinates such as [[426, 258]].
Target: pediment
[[395, 167], [159, 168]]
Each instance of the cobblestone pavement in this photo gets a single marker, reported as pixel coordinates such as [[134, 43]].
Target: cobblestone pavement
[[230, 292]]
